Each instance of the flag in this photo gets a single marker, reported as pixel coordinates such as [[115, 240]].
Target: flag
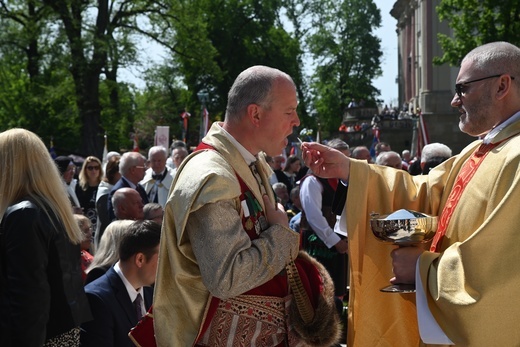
[[105, 151], [185, 117], [162, 136], [423, 138], [205, 121], [375, 141], [52, 150], [136, 143]]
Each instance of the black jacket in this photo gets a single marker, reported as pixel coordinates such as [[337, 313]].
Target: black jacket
[[41, 290], [113, 311]]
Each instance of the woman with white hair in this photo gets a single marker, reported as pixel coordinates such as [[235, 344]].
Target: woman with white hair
[[41, 291]]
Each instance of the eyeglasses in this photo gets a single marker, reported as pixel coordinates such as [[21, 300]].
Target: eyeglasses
[[460, 86], [141, 167], [90, 168]]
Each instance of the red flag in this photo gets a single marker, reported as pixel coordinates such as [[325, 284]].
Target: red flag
[[185, 116], [423, 139]]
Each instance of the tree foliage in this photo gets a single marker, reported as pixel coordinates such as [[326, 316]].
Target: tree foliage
[[347, 56], [476, 22], [60, 62]]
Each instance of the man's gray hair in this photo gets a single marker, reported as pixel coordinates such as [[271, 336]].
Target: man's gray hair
[[383, 157], [252, 86], [433, 150], [156, 149], [338, 144], [129, 160], [279, 185], [496, 58]]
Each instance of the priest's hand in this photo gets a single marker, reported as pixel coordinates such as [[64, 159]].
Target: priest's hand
[[325, 162], [275, 215], [404, 260]]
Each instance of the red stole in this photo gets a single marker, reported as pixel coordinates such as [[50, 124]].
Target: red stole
[[465, 175]]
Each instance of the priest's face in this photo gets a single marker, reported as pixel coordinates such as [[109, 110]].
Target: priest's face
[[157, 162], [475, 100]]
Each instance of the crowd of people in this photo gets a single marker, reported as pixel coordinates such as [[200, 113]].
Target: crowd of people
[[237, 244], [77, 248]]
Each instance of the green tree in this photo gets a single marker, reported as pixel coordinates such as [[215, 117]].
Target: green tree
[[347, 57], [35, 92], [476, 22], [162, 103], [216, 40]]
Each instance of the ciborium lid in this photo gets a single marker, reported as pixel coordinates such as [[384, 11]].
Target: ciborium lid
[[403, 227]]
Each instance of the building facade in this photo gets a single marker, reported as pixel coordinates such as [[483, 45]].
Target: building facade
[[422, 85]]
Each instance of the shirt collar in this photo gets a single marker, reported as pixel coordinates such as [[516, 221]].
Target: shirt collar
[[130, 183], [132, 293], [248, 157], [496, 130]]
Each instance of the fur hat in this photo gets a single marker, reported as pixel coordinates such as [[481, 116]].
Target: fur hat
[[63, 162], [316, 321]]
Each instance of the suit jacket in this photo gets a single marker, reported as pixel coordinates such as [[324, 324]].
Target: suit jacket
[[164, 186], [113, 312], [123, 183]]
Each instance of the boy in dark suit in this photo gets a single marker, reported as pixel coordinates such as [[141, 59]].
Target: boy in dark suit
[[116, 297]]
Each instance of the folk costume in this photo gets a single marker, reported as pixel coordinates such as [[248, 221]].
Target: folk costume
[[198, 287], [469, 277], [317, 227]]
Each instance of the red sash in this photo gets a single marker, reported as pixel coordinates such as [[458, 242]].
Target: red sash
[[466, 173], [312, 281], [277, 286]]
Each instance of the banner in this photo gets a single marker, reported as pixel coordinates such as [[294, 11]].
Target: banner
[[52, 151], [162, 136], [136, 143], [185, 117], [105, 151]]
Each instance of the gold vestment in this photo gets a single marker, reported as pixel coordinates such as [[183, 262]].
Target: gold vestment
[[473, 283]]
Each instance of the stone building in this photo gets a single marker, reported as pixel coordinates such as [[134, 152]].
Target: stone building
[[423, 85]]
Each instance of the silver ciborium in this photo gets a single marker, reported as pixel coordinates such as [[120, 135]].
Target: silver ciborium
[[403, 228]]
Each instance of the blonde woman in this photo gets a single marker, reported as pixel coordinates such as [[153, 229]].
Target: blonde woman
[[107, 253], [41, 292], [89, 176], [86, 245]]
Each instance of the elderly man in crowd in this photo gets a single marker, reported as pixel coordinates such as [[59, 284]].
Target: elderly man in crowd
[[158, 178], [132, 167]]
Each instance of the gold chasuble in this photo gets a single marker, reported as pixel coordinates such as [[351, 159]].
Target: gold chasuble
[[472, 282]]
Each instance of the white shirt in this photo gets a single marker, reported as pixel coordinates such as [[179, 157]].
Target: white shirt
[[311, 192], [248, 157], [132, 292]]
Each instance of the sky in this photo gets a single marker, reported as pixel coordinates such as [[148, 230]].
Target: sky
[[386, 83]]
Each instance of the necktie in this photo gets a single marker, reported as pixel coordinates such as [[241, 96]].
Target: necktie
[[466, 173], [256, 174], [138, 302]]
